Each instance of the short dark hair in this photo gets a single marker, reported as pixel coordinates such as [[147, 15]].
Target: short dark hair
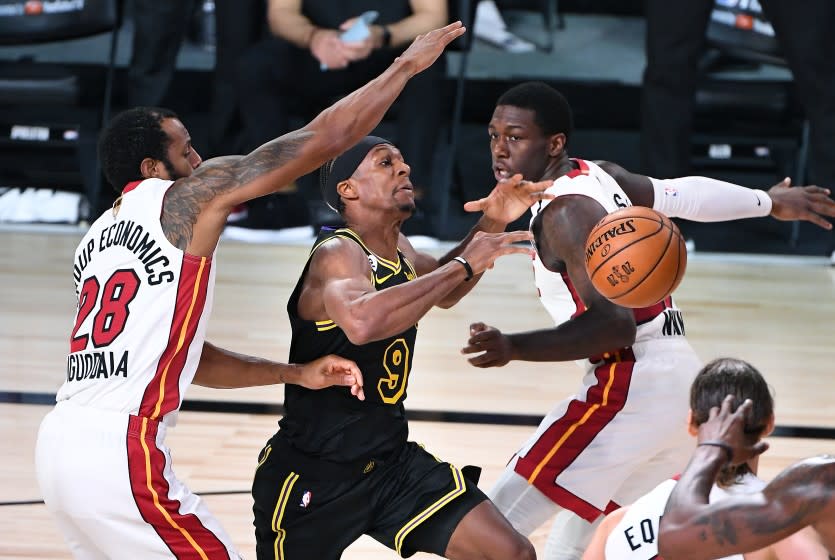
[[729, 376], [130, 137], [552, 113]]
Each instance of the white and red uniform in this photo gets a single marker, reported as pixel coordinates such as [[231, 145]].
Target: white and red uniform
[[622, 432], [636, 536], [102, 464]]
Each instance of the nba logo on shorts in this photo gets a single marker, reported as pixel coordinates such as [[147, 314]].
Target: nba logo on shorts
[[305, 499]]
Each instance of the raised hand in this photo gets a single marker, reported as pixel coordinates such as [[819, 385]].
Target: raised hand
[[801, 203], [727, 428], [426, 48], [493, 348], [510, 198], [332, 370], [484, 248]]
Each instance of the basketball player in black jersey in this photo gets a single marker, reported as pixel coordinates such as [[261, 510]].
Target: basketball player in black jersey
[[338, 467]]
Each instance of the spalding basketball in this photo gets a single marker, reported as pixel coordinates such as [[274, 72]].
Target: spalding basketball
[[635, 257]]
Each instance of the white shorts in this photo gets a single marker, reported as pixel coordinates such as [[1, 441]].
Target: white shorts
[[618, 437], [107, 479]]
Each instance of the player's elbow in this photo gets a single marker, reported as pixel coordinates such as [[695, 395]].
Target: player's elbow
[[359, 332]]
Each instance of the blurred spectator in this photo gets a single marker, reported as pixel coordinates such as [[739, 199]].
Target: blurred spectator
[[159, 27], [240, 24], [305, 64], [675, 41]]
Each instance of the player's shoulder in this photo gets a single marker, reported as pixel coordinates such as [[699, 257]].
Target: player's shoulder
[[611, 168]]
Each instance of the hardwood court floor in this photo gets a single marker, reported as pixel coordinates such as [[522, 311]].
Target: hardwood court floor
[[776, 313]]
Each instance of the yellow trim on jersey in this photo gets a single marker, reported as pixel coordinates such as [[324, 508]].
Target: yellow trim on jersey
[[267, 450], [278, 514], [460, 488], [195, 292], [155, 496], [327, 328], [578, 423], [395, 266]]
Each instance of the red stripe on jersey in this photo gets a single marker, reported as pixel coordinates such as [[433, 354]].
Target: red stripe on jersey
[[646, 314], [163, 392], [184, 534], [579, 306], [568, 436], [130, 186], [582, 169]]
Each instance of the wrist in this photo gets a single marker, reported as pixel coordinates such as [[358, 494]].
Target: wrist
[[467, 268], [312, 36], [765, 200], [718, 451], [289, 374], [385, 36]]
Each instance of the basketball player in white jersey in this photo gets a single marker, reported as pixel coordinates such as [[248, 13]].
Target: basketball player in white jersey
[[591, 453], [631, 532], [144, 276]]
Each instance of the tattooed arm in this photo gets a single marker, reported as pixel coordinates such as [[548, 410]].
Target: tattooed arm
[[692, 529], [196, 207]]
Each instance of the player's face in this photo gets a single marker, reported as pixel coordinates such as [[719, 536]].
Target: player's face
[[383, 179], [182, 158], [517, 144]]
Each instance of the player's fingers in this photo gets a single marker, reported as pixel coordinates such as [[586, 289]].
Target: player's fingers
[[714, 412], [814, 189], [451, 32], [744, 410], [513, 250], [475, 205], [470, 349], [760, 447], [817, 219], [358, 392], [482, 361], [541, 196], [726, 405], [516, 236], [477, 327]]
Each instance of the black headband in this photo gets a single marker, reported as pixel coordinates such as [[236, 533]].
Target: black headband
[[342, 167]]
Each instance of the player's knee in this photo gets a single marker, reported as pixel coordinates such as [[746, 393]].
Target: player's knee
[[517, 547]]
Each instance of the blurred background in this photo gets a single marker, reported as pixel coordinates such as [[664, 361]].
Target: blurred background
[[742, 114]]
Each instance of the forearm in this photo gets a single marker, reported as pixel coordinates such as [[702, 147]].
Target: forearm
[[684, 517], [351, 118], [707, 200], [224, 369], [484, 224], [380, 314], [290, 24], [589, 334]]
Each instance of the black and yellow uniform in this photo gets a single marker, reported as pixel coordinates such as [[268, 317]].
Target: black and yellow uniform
[[338, 467]]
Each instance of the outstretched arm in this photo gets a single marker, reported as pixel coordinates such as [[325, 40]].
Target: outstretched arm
[[708, 200], [196, 207], [223, 369], [338, 287], [693, 529]]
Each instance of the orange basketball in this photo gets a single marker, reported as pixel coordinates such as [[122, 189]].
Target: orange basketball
[[635, 257]]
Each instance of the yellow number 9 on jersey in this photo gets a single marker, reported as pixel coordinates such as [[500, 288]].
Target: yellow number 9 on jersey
[[396, 362]]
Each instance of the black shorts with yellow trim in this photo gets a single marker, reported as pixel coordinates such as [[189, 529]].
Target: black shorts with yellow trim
[[306, 508]]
